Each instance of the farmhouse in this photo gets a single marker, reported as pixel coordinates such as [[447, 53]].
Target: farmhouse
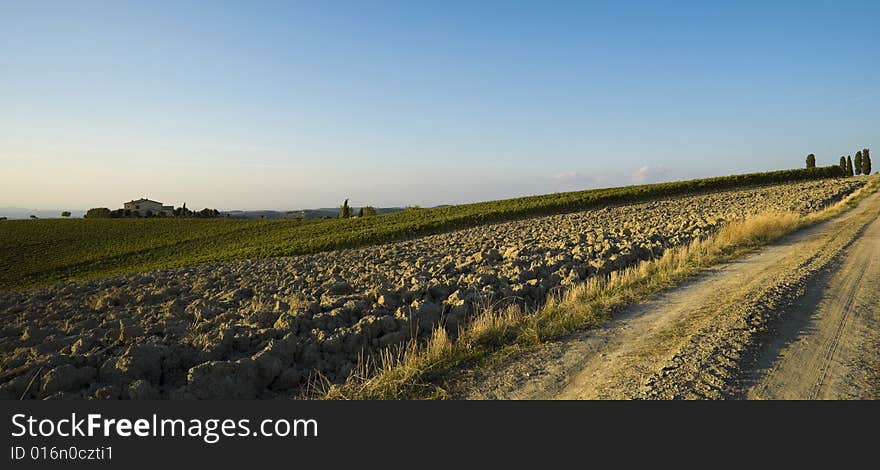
[[141, 206]]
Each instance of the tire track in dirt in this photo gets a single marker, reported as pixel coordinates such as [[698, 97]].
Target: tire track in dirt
[[838, 333]]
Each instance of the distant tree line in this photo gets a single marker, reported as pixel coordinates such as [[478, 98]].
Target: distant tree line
[[345, 211], [178, 213], [183, 212]]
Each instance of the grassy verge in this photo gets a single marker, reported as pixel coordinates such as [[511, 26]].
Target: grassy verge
[[40, 252], [415, 370]]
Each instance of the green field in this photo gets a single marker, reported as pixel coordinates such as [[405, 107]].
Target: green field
[[40, 252]]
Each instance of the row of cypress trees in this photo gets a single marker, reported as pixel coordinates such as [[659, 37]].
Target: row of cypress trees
[[861, 165]]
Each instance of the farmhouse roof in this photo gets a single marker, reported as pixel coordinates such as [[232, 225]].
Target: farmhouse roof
[[145, 200]]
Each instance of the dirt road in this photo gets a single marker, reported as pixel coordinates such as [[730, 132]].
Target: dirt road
[[799, 319], [828, 348]]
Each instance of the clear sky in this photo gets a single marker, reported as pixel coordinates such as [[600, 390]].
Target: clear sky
[[282, 105]]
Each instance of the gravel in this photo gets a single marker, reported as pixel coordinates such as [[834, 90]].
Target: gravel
[[262, 328]]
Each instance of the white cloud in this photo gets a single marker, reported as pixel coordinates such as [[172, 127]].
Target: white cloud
[[567, 176], [572, 181], [648, 174]]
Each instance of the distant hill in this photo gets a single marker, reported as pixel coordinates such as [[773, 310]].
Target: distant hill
[[22, 213], [320, 213]]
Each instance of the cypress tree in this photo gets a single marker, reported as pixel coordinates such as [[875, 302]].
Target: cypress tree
[[811, 161], [344, 211], [858, 162], [849, 166], [866, 162], [843, 165]]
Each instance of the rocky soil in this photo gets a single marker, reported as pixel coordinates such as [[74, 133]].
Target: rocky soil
[[261, 328]]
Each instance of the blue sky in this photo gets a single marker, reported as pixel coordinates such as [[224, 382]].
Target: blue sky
[[245, 105]]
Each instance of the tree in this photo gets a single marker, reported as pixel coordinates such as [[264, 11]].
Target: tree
[[34, 217], [858, 162], [98, 213], [344, 210], [65, 214], [843, 165], [811, 161], [183, 212], [866, 162], [361, 212], [368, 211], [849, 166]]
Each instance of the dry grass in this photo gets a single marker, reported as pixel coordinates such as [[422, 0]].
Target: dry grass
[[414, 370]]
